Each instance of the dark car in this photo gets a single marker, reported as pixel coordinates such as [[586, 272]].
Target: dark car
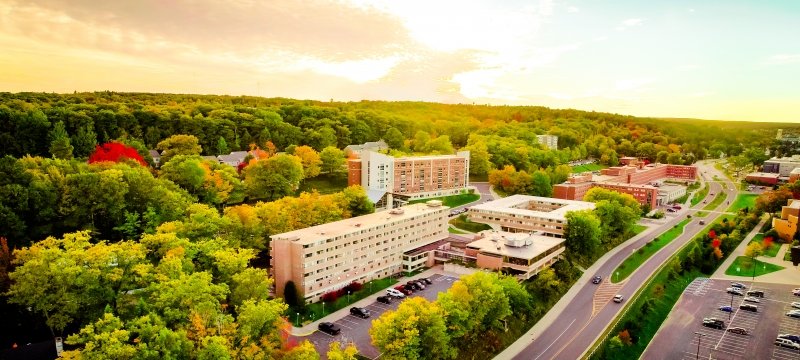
[[748, 307], [755, 293], [360, 312], [402, 289], [597, 279], [714, 323], [427, 281], [410, 287], [726, 308], [329, 328], [385, 299], [738, 330], [795, 338]]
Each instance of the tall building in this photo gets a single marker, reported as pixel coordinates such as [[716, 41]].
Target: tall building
[[328, 257], [550, 141], [524, 213], [636, 180], [410, 177]]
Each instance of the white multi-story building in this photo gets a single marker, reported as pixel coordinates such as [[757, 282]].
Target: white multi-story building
[[523, 213], [328, 257], [551, 141]]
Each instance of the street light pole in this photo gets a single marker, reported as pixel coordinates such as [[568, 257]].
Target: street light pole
[[699, 338], [730, 313], [298, 319]]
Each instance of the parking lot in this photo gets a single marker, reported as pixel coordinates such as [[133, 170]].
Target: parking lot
[[356, 329], [683, 336]]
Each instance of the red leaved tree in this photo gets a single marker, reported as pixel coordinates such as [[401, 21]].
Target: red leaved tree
[[115, 152], [715, 243], [767, 242], [712, 234]]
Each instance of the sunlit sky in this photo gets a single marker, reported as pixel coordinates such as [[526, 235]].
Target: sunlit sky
[[712, 59]]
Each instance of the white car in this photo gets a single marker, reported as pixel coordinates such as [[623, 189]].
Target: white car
[[752, 299], [618, 298], [796, 304], [395, 293]]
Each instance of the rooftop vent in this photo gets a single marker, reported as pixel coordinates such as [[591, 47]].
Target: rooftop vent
[[396, 211], [358, 225], [434, 203]]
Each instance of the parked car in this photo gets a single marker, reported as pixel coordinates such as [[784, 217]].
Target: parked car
[[738, 285], [752, 299], [386, 299], [756, 293], [794, 338], [427, 281], [738, 330], [402, 289], [734, 291], [793, 313], [597, 279], [726, 308], [749, 307], [360, 312], [618, 298], [408, 287], [787, 343], [676, 206], [396, 293], [671, 210], [796, 304], [420, 283], [796, 292], [714, 323], [329, 328]]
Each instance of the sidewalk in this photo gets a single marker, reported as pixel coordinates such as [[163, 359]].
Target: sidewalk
[[309, 328], [548, 319]]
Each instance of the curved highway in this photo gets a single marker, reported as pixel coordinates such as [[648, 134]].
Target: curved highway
[[580, 323]]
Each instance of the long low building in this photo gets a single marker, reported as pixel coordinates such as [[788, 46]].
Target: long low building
[[524, 213], [519, 254], [328, 257]]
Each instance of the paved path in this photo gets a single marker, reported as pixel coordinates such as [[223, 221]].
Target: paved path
[[570, 328]]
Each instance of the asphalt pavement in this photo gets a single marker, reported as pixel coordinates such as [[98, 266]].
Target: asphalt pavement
[[579, 322]]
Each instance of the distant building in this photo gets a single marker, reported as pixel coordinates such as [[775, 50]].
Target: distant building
[[409, 177], [375, 146], [669, 193], [519, 254], [782, 166], [550, 141], [794, 175], [524, 213], [634, 179], [328, 257], [156, 157], [233, 159], [786, 226], [762, 178]]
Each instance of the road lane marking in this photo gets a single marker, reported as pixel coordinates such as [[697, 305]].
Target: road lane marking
[[556, 340]]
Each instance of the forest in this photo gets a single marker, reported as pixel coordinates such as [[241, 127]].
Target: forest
[[127, 259]]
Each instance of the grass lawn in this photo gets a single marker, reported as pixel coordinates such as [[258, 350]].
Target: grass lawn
[[744, 265], [788, 255], [463, 223], [638, 228], [742, 201], [773, 249], [699, 196], [640, 256], [451, 201], [314, 311], [453, 230], [324, 184], [718, 199], [588, 167]]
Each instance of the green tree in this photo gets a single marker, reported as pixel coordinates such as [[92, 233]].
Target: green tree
[[675, 159], [421, 140], [540, 184], [274, 177], [440, 145], [479, 163], [394, 138], [337, 352], [222, 146], [60, 146], [333, 160], [179, 145], [661, 157], [582, 234], [250, 284], [84, 141], [416, 330], [753, 250], [304, 351], [261, 322], [105, 339]]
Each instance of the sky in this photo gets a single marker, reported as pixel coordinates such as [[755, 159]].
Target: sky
[[711, 59]]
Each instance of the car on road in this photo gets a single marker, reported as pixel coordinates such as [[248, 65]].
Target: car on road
[[702, 222], [726, 308], [713, 323], [796, 304], [793, 313], [787, 343], [738, 330], [734, 291], [749, 307], [360, 312], [618, 298], [738, 285], [791, 337], [671, 210], [396, 293], [756, 293], [752, 299], [597, 279], [329, 328], [385, 299]]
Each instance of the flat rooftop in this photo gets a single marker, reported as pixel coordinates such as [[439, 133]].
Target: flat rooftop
[[313, 234], [428, 157], [670, 188], [496, 242], [765, 175], [622, 184], [518, 205]]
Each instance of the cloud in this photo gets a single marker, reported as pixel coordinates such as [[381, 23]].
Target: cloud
[[629, 23], [783, 59], [633, 84], [702, 94], [573, 9]]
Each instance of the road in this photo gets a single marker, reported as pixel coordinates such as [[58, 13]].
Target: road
[[482, 189], [587, 315]]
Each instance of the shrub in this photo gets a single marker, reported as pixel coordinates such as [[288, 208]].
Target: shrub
[[330, 297], [354, 286]]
